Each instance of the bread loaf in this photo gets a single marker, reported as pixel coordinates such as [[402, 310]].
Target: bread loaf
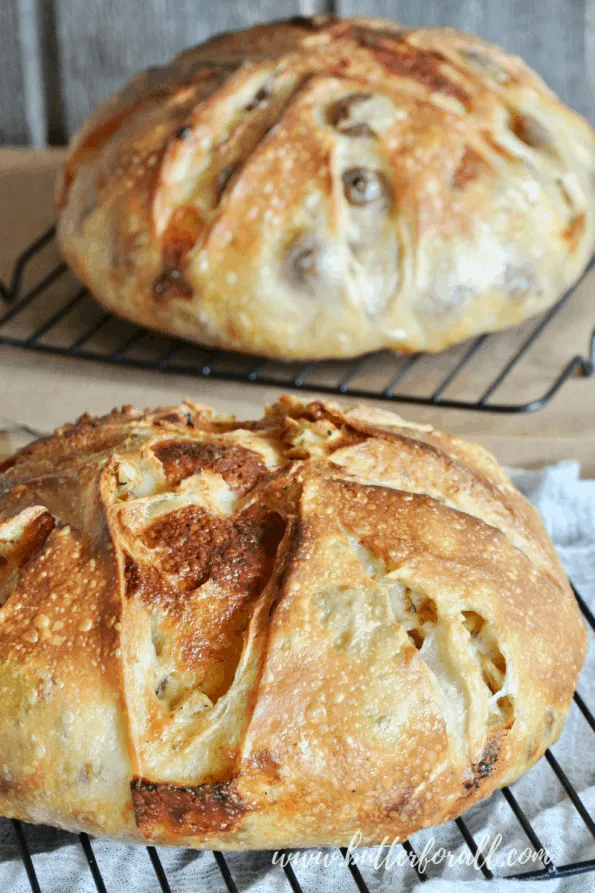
[[323, 188], [268, 634]]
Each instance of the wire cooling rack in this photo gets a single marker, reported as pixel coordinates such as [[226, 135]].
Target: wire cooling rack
[[45, 310], [548, 870]]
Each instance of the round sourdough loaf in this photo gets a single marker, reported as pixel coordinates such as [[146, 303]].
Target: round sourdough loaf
[[324, 188], [271, 634]]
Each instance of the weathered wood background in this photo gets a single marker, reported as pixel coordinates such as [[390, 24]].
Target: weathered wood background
[[60, 57]]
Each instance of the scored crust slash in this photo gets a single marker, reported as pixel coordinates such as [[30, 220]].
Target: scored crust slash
[[164, 809]]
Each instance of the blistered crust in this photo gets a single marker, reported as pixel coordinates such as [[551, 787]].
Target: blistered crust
[[324, 188], [271, 634]]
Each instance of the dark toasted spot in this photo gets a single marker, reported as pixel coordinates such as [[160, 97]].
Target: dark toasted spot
[[8, 787], [16, 555], [131, 574], [312, 411], [171, 285], [359, 129], [489, 757], [184, 132], [240, 468], [187, 540], [261, 97], [395, 801], [181, 417], [486, 764], [85, 774], [33, 538], [142, 581], [183, 231], [235, 552], [160, 690], [363, 186], [190, 547], [263, 761], [223, 180], [468, 169], [162, 809], [339, 115], [575, 231], [531, 132]]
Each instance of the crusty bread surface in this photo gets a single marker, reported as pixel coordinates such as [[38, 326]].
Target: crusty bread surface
[[323, 188], [273, 633]]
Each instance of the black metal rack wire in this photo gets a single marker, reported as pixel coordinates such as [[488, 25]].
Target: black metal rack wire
[[73, 325], [548, 870]]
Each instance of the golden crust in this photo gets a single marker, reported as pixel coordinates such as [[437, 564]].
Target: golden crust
[[325, 187], [265, 634]]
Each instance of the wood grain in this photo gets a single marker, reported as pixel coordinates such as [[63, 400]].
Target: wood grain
[[102, 44], [13, 121]]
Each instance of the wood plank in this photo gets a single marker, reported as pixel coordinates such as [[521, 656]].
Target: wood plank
[[13, 119], [548, 34], [102, 44]]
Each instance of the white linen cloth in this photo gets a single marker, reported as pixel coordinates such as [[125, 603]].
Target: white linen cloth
[[567, 505]]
